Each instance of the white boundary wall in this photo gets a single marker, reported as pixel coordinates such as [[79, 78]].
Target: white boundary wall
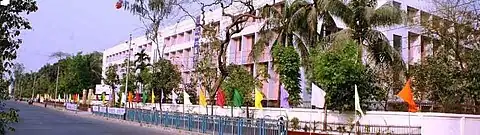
[[430, 123]]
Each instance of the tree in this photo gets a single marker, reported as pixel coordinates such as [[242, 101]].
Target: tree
[[287, 63], [142, 67], [112, 80], [131, 80], [165, 78], [152, 13], [18, 72], [13, 22], [454, 27], [284, 26], [447, 75], [243, 81], [362, 17], [218, 43], [337, 71]]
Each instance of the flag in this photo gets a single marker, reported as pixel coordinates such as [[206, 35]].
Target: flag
[[123, 98], [186, 98], [318, 96], [357, 102], [258, 99], [144, 97], [203, 99], [237, 99], [103, 98], [130, 97], [174, 97], [153, 97], [220, 98], [137, 97], [70, 98], [407, 96], [75, 98], [284, 98]]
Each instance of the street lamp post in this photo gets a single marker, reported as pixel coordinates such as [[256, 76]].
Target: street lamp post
[[128, 69]]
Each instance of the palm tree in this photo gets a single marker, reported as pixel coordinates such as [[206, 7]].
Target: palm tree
[[111, 80], [141, 65], [288, 28], [362, 17]]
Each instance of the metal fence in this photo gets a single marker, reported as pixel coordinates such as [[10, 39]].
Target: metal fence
[[203, 123], [242, 126]]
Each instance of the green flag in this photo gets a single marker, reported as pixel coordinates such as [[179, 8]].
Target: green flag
[[237, 99], [144, 97]]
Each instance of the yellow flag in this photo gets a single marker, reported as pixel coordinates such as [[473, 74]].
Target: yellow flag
[[258, 99], [203, 100], [153, 97]]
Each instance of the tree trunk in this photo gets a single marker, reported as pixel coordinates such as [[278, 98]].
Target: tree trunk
[[112, 96], [248, 111], [211, 106]]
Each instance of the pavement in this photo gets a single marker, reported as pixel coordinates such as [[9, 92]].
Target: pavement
[[38, 120]]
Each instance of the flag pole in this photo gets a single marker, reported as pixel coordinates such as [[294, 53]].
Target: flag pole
[[311, 123], [355, 122], [325, 116], [409, 123]]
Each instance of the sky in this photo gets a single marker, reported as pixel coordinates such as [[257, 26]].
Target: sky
[[72, 26]]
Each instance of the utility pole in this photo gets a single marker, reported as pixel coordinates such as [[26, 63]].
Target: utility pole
[[33, 86], [128, 70], [56, 85]]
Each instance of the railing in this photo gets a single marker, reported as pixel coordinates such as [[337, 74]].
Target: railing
[[242, 126], [203, 123]]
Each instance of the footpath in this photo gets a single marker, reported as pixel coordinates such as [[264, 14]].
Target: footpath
[[89, 115]]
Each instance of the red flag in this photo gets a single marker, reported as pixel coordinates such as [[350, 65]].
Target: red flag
[[220, 98], [407, 96], [119, 4], [137, 97]]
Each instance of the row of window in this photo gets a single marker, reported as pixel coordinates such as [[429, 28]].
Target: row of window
[[123, 54]]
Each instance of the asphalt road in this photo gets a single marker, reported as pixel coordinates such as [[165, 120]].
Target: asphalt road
[[35, 120]]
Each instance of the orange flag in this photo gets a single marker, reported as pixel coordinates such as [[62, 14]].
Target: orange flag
[[407, 96], [130, 97]]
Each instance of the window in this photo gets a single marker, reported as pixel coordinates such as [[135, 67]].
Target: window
[[238, 41], [167, 41], [181, 37], [188, 35], [412, 15], [174, 40], [253, 42], [396, 4], [397, 43]]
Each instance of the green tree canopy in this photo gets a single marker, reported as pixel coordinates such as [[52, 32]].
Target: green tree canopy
[[166, 77], [337, 71]]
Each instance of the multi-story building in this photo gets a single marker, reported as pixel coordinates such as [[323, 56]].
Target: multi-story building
[[179, 39]]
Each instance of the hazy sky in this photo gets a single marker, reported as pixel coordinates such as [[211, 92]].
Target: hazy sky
[[72, 26]]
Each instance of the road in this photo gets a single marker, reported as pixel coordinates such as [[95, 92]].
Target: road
[[36, 120]]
